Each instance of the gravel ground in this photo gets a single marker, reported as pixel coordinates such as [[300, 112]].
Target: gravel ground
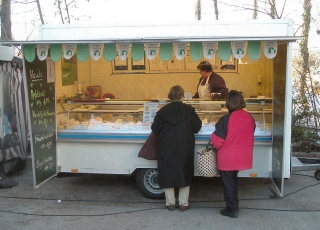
[[114, 202]]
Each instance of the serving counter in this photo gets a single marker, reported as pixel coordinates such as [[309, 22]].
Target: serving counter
[[109, 134]]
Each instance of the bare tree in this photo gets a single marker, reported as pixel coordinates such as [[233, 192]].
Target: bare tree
[[267, 7], [6, 33], [66, 9], [60, 9], [199, 6], [307, 90], [305, 119]]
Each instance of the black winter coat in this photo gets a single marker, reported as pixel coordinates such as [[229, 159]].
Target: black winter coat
[[176, 123]]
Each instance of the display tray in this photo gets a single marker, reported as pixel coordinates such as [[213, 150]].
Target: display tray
[[266, 99], [89, 99]]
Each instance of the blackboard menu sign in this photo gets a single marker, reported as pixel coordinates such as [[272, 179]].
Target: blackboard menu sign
[[41, 96]]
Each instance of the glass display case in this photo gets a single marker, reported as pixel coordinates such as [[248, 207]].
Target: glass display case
[[119, 116]]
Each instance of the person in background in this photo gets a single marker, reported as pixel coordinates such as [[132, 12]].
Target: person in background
[[175, 124], [215, 81], [233, 138]]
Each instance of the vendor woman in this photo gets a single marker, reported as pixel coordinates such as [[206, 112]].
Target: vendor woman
[[215, 81]]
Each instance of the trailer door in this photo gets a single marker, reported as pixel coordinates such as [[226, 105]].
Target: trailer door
[[282, 89]]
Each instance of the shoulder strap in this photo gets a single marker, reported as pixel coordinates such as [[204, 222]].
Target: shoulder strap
[[209, 145], [207, 79]]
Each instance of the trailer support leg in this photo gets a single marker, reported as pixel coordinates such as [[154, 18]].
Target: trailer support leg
[[269, 182]]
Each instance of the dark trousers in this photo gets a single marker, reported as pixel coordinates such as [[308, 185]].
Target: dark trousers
[[230, 189]]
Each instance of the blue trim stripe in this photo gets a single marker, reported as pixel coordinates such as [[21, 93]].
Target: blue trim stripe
[[202, 137], [263, 139], [111, 136]]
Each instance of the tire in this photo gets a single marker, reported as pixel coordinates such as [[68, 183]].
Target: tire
[[317, 174], [147, 183]]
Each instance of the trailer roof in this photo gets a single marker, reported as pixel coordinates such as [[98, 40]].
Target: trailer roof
[[150, 32], [152, 40]]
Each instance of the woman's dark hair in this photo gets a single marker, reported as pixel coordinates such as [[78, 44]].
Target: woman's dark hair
[[235, 101], [176, 92], [205, 66]]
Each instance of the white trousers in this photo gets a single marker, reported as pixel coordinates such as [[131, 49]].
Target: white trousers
[[183, 196]]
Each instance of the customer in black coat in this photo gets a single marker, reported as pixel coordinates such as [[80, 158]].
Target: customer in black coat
[[176, 123]]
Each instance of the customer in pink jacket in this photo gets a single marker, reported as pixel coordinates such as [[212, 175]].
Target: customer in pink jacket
[[234, 139]]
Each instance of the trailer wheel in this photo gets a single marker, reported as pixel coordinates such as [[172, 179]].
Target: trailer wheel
[[147, 183], [317, 174]]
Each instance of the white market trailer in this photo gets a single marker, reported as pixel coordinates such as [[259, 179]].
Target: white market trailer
[[94, 135]]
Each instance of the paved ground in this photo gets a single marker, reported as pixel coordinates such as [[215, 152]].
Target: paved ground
[[114, 202]]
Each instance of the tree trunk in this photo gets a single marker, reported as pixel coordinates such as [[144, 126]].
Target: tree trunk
[[216, 12], [272, 9], [198, 10], [40, 12], [255, 9], [6, 34], [67, 9], [307, 84], [60, 11], [304, 47]]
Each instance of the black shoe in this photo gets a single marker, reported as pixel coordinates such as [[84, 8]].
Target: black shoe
[[170, 207], [227, 212]]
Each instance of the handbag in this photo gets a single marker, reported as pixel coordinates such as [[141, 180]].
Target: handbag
[[149, 148], [207, 161]]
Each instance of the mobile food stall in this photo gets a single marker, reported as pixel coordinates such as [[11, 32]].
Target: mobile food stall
[[93, 92]]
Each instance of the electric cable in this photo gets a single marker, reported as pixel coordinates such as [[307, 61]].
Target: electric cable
[[153, 202]]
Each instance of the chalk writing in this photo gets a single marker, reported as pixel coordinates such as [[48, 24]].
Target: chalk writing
[[47, 145], [45, 160], [42, 114], [37, 93], [37, 75], [46, 100], [43, 122], [42, 137], [48, 167], [38, 103]]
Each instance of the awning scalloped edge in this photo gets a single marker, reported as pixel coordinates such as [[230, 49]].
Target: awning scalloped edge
[[166, 50]]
